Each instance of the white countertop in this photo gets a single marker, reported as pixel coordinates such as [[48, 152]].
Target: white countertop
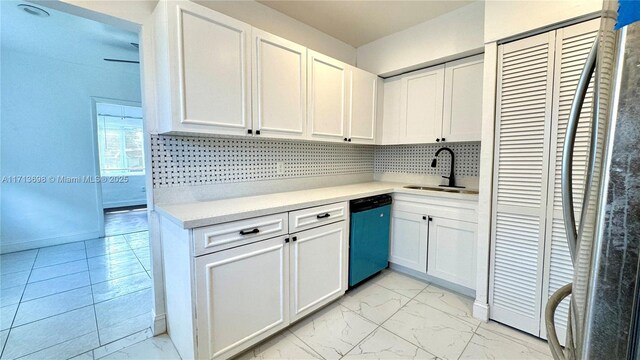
[[204, 213]]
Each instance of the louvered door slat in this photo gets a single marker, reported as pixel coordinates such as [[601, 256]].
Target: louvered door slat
[[572, 49]]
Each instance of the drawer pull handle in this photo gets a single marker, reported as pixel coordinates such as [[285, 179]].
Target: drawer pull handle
[[249, 232], [323, 216]]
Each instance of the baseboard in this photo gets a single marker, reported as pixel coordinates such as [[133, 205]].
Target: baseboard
[[9, 247], [124, 204], [159, 325], [434, 280], [481, 311]]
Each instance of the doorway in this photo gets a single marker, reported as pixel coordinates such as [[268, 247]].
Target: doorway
[[75, 258]]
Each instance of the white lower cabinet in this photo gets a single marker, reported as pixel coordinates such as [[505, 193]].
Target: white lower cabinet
[[409, 240], [434, 238], [319, 261], [222, 302], [242, 296], [452, 251]]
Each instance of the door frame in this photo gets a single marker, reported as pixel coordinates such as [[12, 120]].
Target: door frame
[[135, 17], [96, 146]]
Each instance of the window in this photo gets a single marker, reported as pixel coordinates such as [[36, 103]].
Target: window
[[120, 141]]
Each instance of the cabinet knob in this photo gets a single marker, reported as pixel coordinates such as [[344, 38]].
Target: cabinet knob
[[438, 140], [430, 218], [345, 139], [295, 238], [424, 218], [286, 240], [349, 140], [442, 139], [257, 132], [249, 131]]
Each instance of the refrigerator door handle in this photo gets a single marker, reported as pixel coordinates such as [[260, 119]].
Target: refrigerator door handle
[[567, 151], [549, 320]]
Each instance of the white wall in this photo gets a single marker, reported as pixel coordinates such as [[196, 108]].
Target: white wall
[[505, 19], [47, 130], [444, 38], [130, 193]]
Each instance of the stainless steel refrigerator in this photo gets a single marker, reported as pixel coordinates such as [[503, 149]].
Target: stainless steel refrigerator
[[604, 235]]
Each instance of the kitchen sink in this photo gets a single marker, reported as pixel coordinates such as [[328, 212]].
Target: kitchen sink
[[445, 189]]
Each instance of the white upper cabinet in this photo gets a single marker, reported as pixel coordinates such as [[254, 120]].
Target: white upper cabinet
[[362, 113], [279, 87], [437, 104], [217, 75], [328, 84], [202, 70], [421, 96], [462, 117]]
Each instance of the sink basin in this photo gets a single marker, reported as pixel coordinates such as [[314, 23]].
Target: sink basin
[[433, 188]]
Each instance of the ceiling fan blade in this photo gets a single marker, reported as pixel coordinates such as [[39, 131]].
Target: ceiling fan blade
[[123, 61]]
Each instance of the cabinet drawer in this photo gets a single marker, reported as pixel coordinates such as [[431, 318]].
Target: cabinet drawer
[[316, 216], [226, 235]]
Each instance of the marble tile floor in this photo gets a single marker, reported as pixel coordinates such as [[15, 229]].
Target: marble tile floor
[[91, 297], [394, 316]]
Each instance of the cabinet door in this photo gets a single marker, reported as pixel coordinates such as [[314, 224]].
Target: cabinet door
[[362, 113], [212, 68], [327, 97], [462, 117], [409, 240], [391, 111], [279, 87], [319, 264], [242, 297], [452, 251], [421, 106]]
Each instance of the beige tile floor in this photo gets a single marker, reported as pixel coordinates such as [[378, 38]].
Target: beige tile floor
[[90, 297], [394, 316]]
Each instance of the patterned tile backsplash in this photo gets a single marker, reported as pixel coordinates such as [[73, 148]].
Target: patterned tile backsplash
[[186, 160], [416, 159], [181, 160]]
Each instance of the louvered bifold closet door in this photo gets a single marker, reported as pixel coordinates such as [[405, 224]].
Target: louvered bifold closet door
[[524, 99], [572, 49]]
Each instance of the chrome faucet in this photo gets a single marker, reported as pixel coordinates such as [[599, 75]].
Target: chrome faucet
[[451, 177]]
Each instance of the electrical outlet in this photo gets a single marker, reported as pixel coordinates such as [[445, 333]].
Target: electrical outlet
[[280, 168]]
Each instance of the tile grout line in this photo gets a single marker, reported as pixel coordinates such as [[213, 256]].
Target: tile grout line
[[93, 302], [302, 341], [513, 339], [468, 342], [378, 325], [19, 302], [48, 347], [402, 307]]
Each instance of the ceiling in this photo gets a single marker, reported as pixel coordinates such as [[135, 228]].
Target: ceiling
[[66, 37], [358, 22]]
